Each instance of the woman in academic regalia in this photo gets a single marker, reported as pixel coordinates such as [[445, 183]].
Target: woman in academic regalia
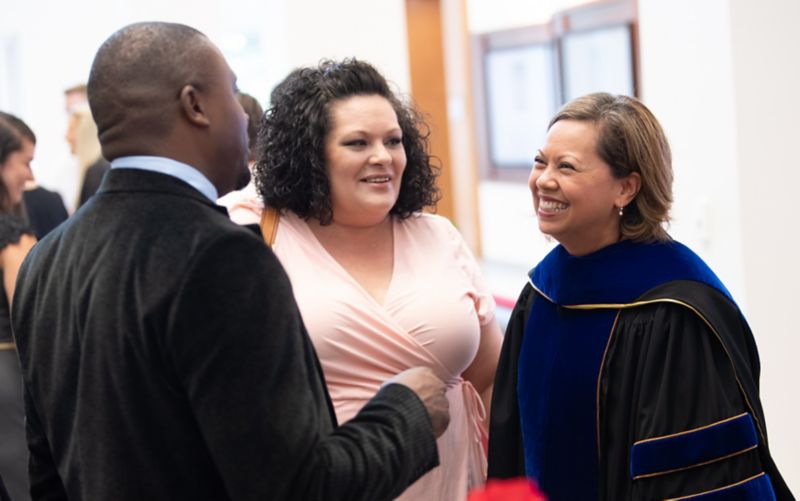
[[627, 370]]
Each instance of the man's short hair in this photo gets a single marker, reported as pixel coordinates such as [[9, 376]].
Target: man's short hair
[[137, 76]]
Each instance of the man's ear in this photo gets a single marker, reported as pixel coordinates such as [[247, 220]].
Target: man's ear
[[193, 106], [630, 186]]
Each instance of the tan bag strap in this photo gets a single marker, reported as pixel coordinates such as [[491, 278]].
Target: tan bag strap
[[269, 224]]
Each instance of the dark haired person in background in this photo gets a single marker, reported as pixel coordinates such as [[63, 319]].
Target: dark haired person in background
[[16, 154], [43, 209], [254, 113]]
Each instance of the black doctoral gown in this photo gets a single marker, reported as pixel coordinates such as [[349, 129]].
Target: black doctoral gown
[[677, 407]]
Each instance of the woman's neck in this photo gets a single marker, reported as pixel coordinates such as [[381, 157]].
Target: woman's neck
[[365, 252], [583, 247], [342, 235]]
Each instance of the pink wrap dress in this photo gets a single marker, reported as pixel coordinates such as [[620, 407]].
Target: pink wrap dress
[[432, 315]]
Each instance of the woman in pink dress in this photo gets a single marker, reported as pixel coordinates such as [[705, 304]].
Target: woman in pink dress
[[381, 286]]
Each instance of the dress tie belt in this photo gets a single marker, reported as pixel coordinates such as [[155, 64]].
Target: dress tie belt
[[476, 415]]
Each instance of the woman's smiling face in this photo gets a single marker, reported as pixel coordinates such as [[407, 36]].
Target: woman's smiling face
[[575, 195], [16, 171], [365, 159]]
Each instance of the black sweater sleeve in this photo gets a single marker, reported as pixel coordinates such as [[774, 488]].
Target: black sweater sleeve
[[239, 348]]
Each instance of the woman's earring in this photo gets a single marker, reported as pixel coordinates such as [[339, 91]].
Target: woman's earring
[[620, 211]]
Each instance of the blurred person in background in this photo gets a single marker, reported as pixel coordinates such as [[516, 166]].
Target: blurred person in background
[[16, 155], [84, 145], [43, 209], [381, 286], [628, 372], [254, 113], [75, 97]]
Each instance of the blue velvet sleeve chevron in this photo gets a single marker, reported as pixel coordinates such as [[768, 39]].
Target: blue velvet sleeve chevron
[[707, 444]]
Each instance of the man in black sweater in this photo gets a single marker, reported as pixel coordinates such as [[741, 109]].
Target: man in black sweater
[[162, 353]]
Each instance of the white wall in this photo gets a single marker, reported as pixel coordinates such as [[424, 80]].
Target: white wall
[[510, 237], [766, 83], [493, 15], [373, 31], [263, 40], [687, 81]]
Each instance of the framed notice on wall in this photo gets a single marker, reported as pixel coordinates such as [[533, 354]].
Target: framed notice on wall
[[597, 60], [521, 98], [522, 76], [516, 84]]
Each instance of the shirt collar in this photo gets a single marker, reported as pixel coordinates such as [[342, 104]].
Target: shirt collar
[[170, 167]]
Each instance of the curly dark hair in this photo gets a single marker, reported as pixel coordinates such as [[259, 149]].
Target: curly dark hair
[[290, 171]]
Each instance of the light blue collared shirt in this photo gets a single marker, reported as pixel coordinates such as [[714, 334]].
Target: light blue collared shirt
[[170, 167]]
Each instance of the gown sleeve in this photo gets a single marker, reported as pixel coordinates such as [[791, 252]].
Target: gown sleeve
[[506, 454], [678, 413]]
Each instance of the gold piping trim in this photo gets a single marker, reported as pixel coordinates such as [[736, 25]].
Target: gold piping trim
[[717, 490], [659, 473], [540, 292], [705, 321], [8, 346], [635, 304], [599, 374], [613, 306], [688, 431]]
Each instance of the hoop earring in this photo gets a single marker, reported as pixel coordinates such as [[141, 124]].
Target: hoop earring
[[620, 211]]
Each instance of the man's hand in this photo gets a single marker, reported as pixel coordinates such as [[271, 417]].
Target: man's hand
[[431, 390]]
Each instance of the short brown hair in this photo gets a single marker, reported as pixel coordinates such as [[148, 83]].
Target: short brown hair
[[630, 139]]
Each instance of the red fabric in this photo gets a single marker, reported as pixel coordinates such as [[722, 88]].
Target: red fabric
[[515, 489]]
